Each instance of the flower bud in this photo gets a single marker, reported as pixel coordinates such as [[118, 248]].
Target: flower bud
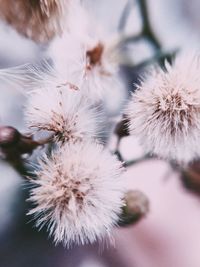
[[9, 136], [136, 207], [191, 177]]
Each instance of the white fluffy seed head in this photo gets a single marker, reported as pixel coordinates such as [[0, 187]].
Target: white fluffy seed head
[[164, 112], [91, 61], [79, 193], [59, 107]]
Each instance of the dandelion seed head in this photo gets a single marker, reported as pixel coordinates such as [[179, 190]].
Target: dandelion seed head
[[62, 110], [79, 193], [164, 112]]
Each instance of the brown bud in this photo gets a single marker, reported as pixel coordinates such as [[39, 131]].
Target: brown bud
[[121, 129], [191, 177], [13, 144], [9, 136], [136, 207]]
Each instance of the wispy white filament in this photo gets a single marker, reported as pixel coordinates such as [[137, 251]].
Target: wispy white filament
[[164, 111], [79, 193], [59, 107], [73, 54]]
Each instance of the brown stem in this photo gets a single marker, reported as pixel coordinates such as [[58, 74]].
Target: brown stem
[[147, 31], [138, 160]]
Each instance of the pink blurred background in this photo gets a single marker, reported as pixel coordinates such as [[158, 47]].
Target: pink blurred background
[[169, 236]]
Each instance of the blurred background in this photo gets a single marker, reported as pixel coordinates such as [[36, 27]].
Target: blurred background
[[169, 235]]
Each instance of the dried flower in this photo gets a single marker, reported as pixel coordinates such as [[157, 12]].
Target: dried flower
[[79, 193], [61, 109], [164, 112], [39, 20]]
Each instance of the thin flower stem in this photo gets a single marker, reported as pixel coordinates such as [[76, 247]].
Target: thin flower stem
[[138, 160], [125, 39], [46, 140], [159, 57], [147, 30], [15, 159], [119, 156], [117, 152], [124, 16]]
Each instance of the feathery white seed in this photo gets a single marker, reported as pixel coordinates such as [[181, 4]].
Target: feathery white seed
[[61, 109], [79, 193], [164, 112]]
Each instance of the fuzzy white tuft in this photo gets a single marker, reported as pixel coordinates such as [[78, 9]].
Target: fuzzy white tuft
[[59, 107], [164, 111], [102, 69], [79, 193], [91, 60]]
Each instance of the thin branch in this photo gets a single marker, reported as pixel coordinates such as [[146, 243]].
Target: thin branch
[[160, 57], [125, 39], [138, 160], [147, 31], [124, 16], [15, 145]]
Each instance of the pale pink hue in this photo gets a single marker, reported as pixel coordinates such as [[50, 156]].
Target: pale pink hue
[[164, 111], [70, 54], [79, 193], [60, 108]]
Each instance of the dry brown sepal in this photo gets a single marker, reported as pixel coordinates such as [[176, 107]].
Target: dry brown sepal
[[39, 20]]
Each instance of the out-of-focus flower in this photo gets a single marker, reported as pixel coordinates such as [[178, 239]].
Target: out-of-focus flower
[[102, 69], [164, 112], [79, 193], [69, 58], [93, 58], [39, 20], [61, 109]]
